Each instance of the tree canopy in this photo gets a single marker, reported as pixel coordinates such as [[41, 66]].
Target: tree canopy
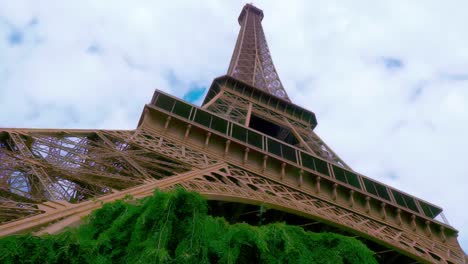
[[174, 227]]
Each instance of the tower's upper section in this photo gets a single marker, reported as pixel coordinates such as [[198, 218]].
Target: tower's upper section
[[252, 9], [251, 61]]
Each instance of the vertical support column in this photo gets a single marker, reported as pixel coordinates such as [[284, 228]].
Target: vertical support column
[[283, 170], [383, 212], [226, 148], [265, 158], [442, 234], [246, 155], [428, 228], [317, 183], [368, 204], [413, 222], [207, 139], [335, 191], [301, 175], [351, 198], [399, 220], [249, 114], [166, 125], [187, 131]]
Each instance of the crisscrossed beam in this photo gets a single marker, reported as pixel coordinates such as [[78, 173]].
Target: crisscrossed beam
[[251, 61]]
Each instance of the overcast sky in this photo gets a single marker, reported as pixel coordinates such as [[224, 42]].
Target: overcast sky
[[388, 80]]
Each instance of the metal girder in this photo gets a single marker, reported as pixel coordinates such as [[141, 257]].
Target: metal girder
[[251, 61]]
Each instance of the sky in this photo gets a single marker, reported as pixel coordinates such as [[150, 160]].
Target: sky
[[388, 80]]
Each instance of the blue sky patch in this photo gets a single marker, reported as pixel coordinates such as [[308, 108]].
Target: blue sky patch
[[135, 65], [417, 92], [17, 34], [34, 21], [93, 49], [194, 94], [391, 175], [172, 79], [15, 38], [456, 76], [392, 63]]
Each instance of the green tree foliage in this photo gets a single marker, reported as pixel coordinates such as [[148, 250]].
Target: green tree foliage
[[174, 227]]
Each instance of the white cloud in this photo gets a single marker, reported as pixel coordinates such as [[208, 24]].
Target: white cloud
[[409, 122]]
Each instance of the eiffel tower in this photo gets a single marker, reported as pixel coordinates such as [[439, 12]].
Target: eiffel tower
[[248, 149]]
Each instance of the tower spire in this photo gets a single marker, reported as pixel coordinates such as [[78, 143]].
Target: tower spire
[[251, 60]]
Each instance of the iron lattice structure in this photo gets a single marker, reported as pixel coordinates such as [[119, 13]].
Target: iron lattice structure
[[247, 144], [251, 61]]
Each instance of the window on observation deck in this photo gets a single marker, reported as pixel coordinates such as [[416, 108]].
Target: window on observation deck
[[429, 210], [405, 200], [277, 131]]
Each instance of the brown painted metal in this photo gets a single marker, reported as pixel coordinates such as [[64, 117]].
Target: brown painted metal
[[234, 106], [51, 178], [251, 61]]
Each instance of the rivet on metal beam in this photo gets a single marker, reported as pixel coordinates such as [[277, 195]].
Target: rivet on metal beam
[[367, 204], [301, 176], [166, 125], [207, 139], [246, 155], [398, 215], [226, 148], [383, 212], [351, 198], [283, 170], [413, 222], [317, 182], [428, 228], [335, 192], [265, 158], [187, 131]]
